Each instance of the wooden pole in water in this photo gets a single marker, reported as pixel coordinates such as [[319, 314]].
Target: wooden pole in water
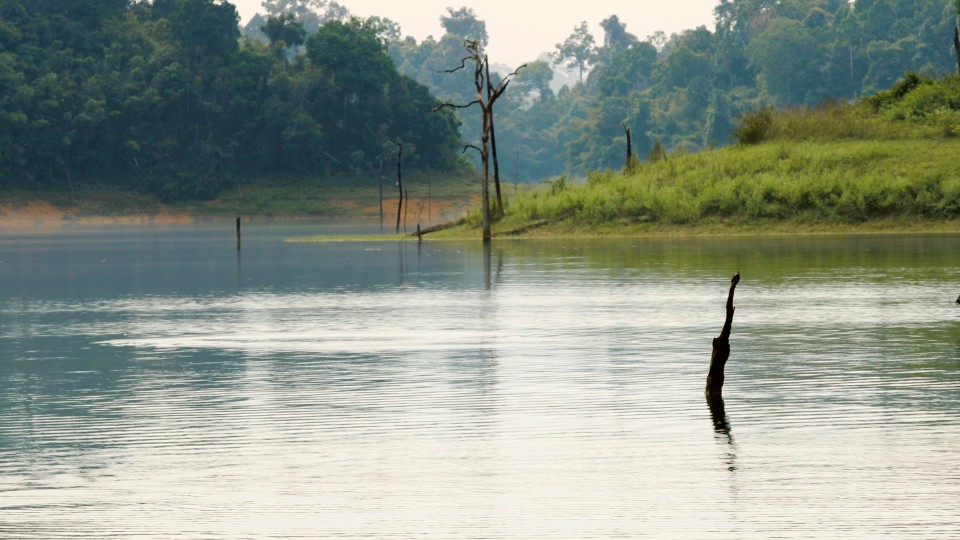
[[721, 348], [238, 233]]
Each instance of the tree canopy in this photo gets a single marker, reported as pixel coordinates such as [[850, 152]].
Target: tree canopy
[[685, 92], [171, 97], [165, 97]]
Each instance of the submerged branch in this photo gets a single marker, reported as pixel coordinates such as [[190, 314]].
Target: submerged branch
[[721, 347]]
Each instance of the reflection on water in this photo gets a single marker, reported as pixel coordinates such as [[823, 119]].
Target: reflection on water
[[157, 383], [721, 427]]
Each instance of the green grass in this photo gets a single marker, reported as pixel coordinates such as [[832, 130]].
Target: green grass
[[803, 182], [888, 162]]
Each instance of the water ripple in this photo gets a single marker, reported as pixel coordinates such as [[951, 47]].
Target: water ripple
[[564, 401]]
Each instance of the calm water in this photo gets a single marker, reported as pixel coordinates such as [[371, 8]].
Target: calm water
[[155, 383]]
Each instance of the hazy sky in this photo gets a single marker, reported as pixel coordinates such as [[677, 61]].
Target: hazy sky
[[520, 30]]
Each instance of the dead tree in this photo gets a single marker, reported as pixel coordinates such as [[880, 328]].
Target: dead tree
[[493, 145], [496, 168], [381, 195], [721, 348], [956, 45], [487, 95], [629, 162], [399, 183]]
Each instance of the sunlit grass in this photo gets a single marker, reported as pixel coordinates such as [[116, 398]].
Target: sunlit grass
[[830, 166]]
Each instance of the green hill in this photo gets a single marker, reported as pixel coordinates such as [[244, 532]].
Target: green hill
[[886, 161]]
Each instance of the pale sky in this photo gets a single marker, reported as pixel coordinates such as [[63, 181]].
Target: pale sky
[[520, 30]]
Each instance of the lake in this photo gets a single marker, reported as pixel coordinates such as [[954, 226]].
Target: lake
[[156, 382]]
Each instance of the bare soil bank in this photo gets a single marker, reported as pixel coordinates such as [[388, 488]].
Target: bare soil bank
[[42, 216]]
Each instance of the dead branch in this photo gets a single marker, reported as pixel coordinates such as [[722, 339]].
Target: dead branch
[[721, 347], [455, 105]]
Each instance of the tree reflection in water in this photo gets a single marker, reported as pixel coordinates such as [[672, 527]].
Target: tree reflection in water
[[721, 429]]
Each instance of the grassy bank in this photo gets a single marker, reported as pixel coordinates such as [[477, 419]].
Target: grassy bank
[[804, 182], [887, 163]]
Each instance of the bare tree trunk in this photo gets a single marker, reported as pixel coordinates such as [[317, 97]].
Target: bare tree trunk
[[721, 347], [626, 165], [485, 187], [956, 45], [493, 141], [486, 109], [496, 167], [399, 184]]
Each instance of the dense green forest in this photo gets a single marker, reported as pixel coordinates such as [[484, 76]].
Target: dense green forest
[[686, 91], [166, 98], [174, 98]]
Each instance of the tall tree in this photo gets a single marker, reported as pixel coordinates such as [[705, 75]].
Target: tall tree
[[786, 54], [616, 39], [464, 24], [310, 13], [206, 30], [578, 50], [536, 78], [284, 33]]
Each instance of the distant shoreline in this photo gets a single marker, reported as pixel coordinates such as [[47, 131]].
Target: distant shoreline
[[774, 228], [264, 200], [45, 217]]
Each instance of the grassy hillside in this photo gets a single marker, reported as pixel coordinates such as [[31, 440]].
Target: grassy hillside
[[889, 159]]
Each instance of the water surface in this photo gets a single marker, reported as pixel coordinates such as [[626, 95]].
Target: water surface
[[157, 383]]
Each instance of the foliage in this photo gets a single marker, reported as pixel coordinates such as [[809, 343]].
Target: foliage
[[831, 164], [754, 126], [578, 50], [284, 31], [162, 97], [463, 22], [689, 90], [657, 153]]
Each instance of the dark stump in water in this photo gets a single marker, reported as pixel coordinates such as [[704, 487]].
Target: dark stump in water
[[721, 347]]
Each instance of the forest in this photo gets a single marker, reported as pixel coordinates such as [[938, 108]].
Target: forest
[[686, 92], [177, 99], [167, 98]]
